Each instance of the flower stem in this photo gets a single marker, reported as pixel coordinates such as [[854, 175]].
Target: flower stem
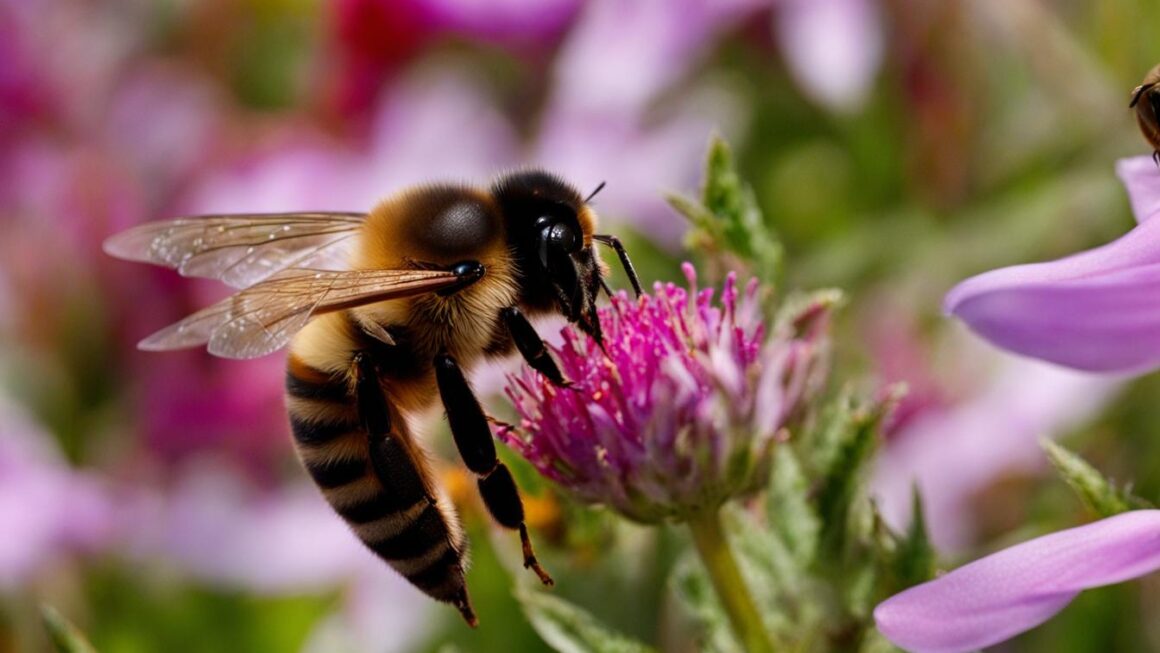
[[709, 538]]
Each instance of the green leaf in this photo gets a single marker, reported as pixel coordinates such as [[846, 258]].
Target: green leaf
[[727, 218], [1098, 493], [914, 559], [856, 439], [788, 508], [876, 643], [775, 580], [569, 628], [66, 638], [694, 593], [819, 446]]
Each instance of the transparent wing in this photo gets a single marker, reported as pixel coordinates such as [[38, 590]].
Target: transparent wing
[[262, 318], [243, 249]]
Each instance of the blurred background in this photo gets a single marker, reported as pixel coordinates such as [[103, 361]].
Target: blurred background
[[895, 146]]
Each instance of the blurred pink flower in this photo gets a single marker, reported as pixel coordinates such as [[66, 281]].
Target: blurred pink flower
[[23, 93], [833, 48], [954, 453], [217, 528], [597, 126], [619, 57], [375, 39], [680, 409], [186, 130], [49, 511], [434, 126], [1093, 311], [599, 123], [380, 613], [69, 191], [59, 57], [899, 355], [191, 404], [1012, 591], [506, 21]]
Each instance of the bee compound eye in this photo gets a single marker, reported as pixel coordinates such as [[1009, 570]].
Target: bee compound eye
[[564, 237]]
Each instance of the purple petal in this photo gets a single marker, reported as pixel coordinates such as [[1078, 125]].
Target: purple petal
[[833, 48], [956, 452], [54, 510], [1141, 176], [1095, 311], [1014, 590]]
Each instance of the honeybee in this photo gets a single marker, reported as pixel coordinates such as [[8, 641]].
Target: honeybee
[[384, 311], [1146, 102]]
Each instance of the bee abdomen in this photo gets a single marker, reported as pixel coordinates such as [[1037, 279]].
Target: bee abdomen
[[385, 500]]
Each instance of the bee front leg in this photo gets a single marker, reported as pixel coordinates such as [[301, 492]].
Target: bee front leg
[[472, 433], [531, 346]]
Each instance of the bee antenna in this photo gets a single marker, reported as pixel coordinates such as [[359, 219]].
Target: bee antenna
[[599, 187], [614, 243]]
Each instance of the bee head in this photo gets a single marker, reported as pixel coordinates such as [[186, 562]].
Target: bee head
[[550, 232]]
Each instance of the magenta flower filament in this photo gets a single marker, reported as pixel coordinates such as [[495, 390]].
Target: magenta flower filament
[[678, 416]]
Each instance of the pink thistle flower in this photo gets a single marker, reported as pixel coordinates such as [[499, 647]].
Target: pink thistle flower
[[1006, 593], [681, 410]]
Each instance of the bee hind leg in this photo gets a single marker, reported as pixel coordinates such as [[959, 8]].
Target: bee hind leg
[[472, 433], [402, 484], [531, 346]]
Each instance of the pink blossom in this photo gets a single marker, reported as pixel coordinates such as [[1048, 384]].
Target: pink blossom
[[680, 410]]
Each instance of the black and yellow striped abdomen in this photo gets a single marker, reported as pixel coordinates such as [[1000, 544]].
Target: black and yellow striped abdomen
[[386, 498]]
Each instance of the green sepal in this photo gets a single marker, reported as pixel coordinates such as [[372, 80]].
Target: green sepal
[[568, 628], [66, 638], [694, 593], [913, 559], [727, 217], [1096, 491], [788, 509], [856, 440], [772, 577]]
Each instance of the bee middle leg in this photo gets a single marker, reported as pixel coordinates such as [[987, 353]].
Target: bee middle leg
[[472, 433], [531, 346]]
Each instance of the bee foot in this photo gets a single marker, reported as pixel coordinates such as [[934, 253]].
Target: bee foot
[[530, 561], [501, 426]]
